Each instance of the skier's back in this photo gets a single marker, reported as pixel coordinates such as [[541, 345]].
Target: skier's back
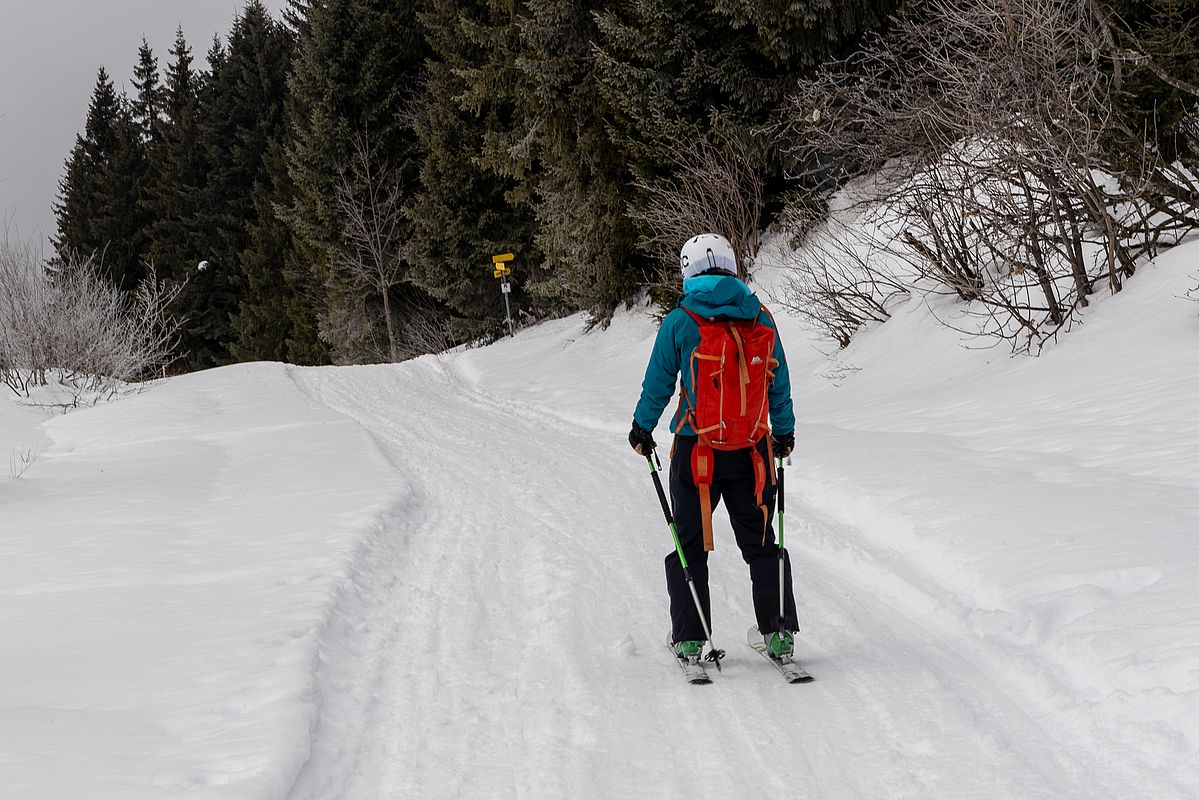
[[709, 462]]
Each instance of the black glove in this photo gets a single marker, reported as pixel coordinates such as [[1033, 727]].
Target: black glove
[[641, 440], [783, 444]]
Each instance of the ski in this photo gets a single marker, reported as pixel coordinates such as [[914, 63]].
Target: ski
[[693, 671], [791, 671]]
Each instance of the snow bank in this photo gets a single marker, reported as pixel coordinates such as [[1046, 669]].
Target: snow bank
[[1042, 512], [168, 564]]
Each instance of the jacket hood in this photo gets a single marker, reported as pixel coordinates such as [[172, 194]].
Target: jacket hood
[[720, 296]]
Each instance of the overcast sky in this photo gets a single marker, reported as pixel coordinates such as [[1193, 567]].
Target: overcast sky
[[50, 51]]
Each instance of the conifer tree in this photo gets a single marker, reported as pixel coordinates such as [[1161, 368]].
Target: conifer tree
[[123, 211], [579, 182], [1168, 31], [356, 72], [677, 70], [188, 238], [472, 202], [79, 190], [239, 118], [295, 16], [149, 97], [277, 314], [179, 170], [97, 209], [674, 68]]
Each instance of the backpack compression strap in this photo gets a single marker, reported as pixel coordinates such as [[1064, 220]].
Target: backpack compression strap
[[702, 462]]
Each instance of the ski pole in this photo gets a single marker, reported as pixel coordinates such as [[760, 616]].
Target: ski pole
[[782, 555], [713, 655]]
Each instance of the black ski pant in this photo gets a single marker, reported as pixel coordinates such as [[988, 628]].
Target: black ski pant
[[732, 482]]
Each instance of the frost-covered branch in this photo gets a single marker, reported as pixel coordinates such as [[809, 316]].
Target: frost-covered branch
[[71, 318], [1009, 178]]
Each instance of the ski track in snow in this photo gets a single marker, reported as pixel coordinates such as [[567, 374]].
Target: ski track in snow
[[483, 656], [443, 579]]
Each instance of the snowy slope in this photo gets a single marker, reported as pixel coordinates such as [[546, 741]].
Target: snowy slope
[[165, 570], [443, 579]]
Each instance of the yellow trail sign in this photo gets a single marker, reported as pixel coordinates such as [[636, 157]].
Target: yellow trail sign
[[500, 259]]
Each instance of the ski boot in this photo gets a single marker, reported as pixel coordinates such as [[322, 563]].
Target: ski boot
[[689, 650], [780, 646]]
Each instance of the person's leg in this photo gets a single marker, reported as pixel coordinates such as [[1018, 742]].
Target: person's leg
[[684, 501], [753, 525]]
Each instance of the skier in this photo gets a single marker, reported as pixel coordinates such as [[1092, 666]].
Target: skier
[[712, 293]]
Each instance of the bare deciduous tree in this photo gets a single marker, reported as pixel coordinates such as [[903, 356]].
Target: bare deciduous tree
[[369, 195], [716, 187]]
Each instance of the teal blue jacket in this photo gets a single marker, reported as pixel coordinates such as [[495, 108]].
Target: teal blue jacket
[[721, 296]]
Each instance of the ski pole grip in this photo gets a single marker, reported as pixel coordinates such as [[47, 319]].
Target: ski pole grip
[[780, 481], [661, 492]]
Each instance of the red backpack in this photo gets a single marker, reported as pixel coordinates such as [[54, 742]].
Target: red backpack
[[732, 370]]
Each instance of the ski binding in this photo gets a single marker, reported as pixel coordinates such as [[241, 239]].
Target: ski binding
[[693, 671], [791, 671]]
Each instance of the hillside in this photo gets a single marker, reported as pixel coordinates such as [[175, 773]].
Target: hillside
[[443, 578]]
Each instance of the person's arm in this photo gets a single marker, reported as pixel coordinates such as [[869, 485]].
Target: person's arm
[[661, 374], [782, 414]]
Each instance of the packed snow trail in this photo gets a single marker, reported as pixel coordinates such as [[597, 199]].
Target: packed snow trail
[[508, 640]]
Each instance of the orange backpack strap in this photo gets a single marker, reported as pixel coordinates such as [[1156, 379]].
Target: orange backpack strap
[[765, 471], [760, 473], [770, 374], [701, 470]]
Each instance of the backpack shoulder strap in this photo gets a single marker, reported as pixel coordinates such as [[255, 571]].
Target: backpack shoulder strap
[[699, 320]]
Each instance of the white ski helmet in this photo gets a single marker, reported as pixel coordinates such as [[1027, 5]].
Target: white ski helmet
[[707, 251]]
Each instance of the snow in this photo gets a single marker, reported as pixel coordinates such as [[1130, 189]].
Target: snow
[[168, 566], [444, 578]]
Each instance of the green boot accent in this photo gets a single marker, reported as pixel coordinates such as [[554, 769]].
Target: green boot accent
[[686, 650], [780, 645]]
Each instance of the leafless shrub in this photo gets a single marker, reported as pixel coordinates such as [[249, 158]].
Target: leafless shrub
[[425, 329], [714, 186], [838, 285], [23, 297], [71, 319], [20, 460], [104, 333], [1017, 187], [982, 226], [353, 324]]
